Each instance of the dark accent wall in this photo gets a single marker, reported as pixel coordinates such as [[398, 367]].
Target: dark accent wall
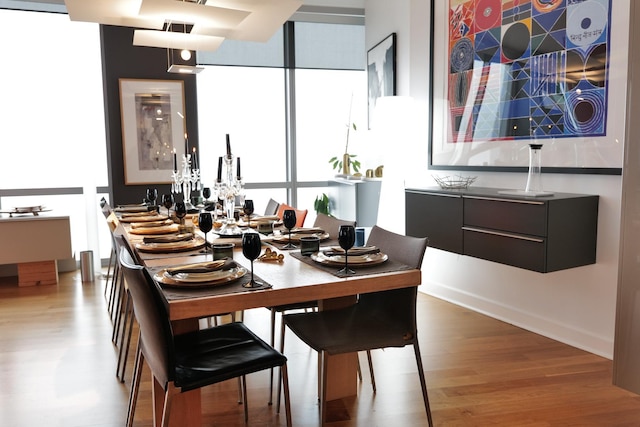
[[121, 59]]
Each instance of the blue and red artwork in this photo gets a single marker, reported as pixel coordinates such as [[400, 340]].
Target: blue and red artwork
[[521, 69]]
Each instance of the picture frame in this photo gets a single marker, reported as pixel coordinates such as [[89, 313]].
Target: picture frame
[[453, 146], [381, 73], [153, 129]]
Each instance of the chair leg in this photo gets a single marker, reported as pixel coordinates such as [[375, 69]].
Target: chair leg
[[323, 398], [122, 336], [287, 402], [126, 339], [106, 282], [135, 385], [280, 373], [373, 378], [168, 401], [273, 339], [423, 383], [244, 395]]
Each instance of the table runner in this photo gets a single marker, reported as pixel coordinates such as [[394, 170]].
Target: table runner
[[386, 267]]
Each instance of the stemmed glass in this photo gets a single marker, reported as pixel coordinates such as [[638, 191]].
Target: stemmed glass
[[251, 246], [205, 223], [346, 238], [181, 211], [206, 193], [248, 210], [289, 221], [152, 195], [167, 202]]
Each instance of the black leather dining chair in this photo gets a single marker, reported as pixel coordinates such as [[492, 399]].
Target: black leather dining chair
[[377, 320], [331, 225], [189, 361]]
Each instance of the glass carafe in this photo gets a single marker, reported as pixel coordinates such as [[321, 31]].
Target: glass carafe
[[534, 179]]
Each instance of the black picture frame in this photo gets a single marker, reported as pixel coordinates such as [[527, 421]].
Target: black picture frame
[[381, 72], [438, 121]]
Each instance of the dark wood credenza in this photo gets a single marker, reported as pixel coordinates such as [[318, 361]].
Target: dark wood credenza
[[542, 234]]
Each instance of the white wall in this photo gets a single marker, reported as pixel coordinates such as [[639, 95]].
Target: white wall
[[575, 306]]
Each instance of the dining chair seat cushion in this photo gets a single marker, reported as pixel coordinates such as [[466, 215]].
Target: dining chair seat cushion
[[351, 329], [217, 354]]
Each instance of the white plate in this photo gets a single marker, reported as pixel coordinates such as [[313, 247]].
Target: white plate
[[360, 260]]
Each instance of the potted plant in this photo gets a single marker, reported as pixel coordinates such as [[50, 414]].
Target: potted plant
[[321, 204]]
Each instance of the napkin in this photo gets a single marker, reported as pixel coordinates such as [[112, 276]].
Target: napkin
[[151, 224], [135, 214], [361, 250], [169, 239], [204, 267]]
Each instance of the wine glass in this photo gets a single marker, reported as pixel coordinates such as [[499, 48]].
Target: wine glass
[[152, 195], [289, 221], [346, 238], [248, 210], [167, 202], [206, 193], [181, 211], [251, 246], [205, 223]]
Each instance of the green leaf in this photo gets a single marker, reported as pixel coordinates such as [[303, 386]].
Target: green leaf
[[354, 126]]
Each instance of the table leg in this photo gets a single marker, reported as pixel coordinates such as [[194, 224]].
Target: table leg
[[342, 369]]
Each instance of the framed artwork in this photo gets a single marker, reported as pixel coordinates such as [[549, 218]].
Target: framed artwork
[[381, 72], [153, 129], [507, 74]]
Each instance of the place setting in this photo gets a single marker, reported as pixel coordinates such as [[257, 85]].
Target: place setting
[[202, 274], [345, 260], [171, 243]]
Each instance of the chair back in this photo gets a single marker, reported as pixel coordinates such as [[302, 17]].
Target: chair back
[[331, 224], [106, 208], [398, 305], [272, 208], [301, 214], [156, 335]]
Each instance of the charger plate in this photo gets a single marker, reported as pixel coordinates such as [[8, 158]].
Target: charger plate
[[186, 245], [163, 229], [359, 260], [295, 237], [195, 280]]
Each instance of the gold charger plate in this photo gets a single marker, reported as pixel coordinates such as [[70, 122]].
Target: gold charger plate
[[354, 260], [186, 245], [151, 223], [163, 229], [295, 237], [194, 280]]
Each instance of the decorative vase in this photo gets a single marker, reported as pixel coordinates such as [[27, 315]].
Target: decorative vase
[[346, 164], [534, 179]]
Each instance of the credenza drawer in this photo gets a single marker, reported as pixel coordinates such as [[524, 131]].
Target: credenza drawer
[[515, 216], [511, 249]]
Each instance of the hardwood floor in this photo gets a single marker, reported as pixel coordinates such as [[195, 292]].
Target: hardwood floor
[[57, 368]]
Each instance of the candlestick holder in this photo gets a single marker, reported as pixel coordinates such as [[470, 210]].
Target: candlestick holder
[[185, 181], [227, 188]]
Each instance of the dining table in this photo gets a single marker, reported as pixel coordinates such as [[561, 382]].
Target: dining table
[[292, 279]]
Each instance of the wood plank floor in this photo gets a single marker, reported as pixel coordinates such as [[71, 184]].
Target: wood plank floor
[[57, 368]]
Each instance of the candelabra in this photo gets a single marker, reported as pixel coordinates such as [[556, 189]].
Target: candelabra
[[186, 180], [227, 189]]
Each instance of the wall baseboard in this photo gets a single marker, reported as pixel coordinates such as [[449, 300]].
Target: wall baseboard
[[581, 339]]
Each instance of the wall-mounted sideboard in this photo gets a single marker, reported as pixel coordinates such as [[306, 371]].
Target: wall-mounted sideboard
[[542, 234], [34, 243]]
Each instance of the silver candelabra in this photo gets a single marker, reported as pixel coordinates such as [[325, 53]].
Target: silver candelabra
[[227, 189], [186, 180]]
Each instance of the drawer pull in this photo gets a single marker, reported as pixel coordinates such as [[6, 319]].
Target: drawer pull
[[496, 233], [495, 199]]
